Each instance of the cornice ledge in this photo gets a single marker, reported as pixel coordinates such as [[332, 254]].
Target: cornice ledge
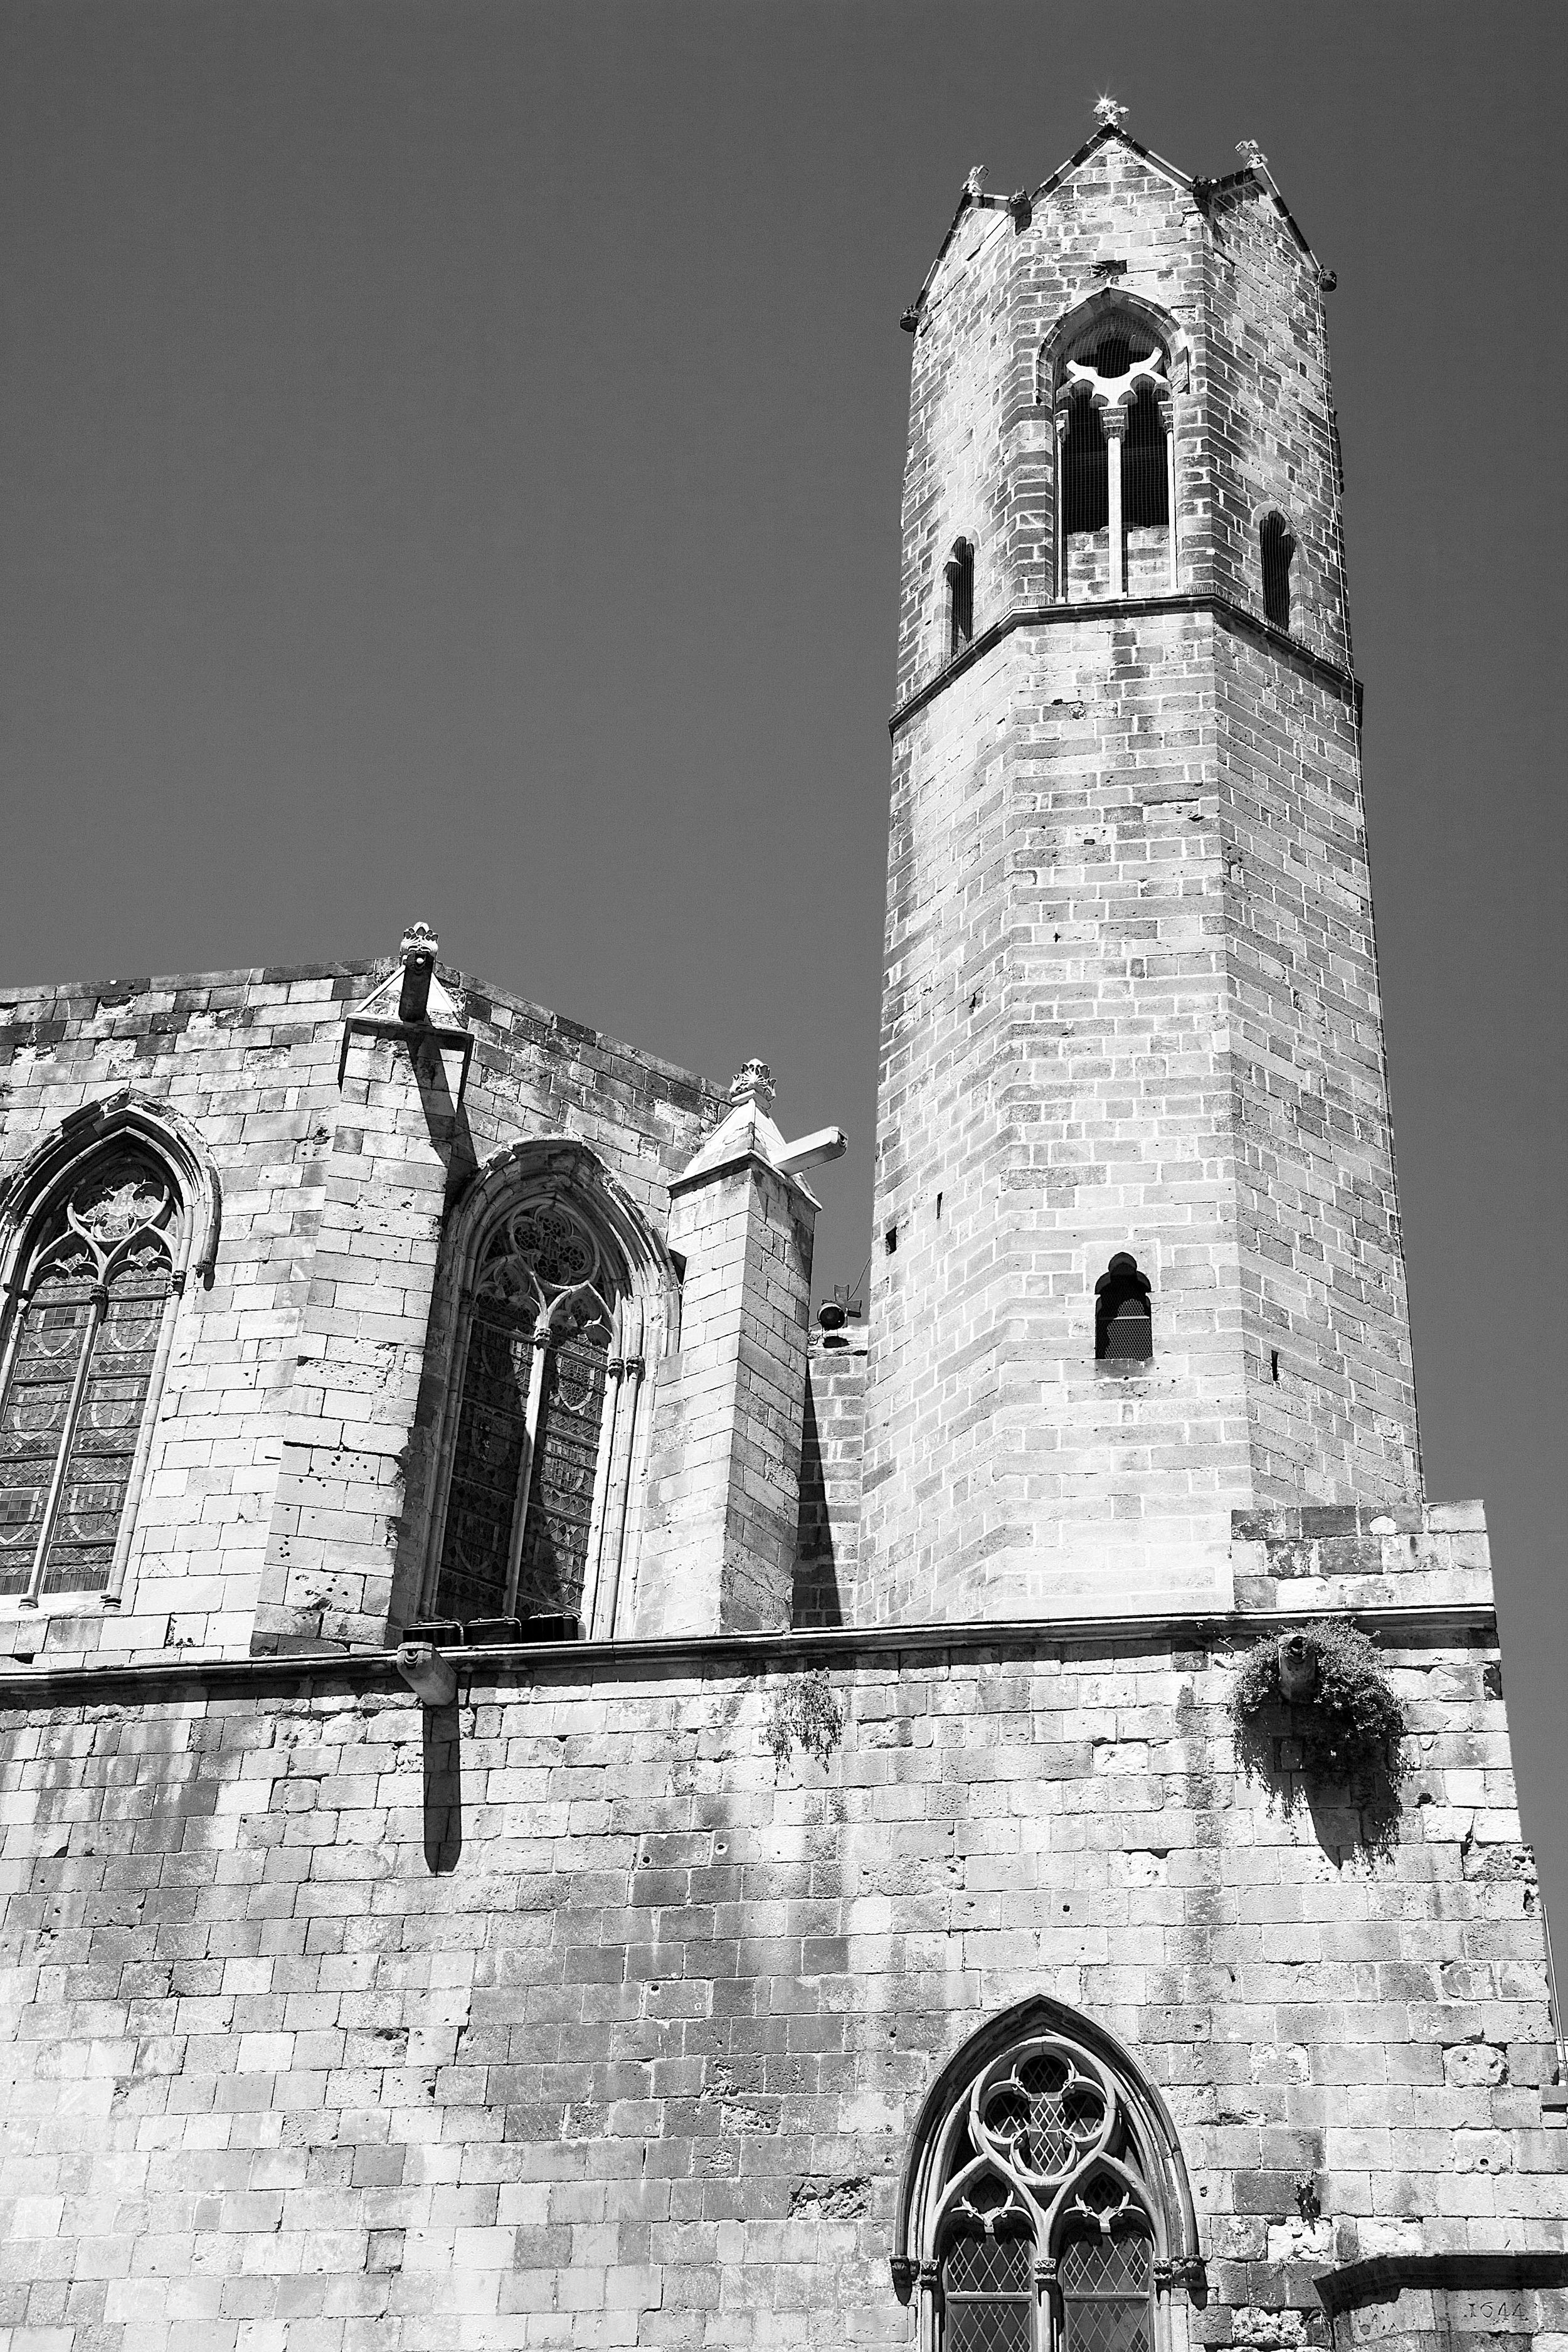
[[1191, 600], [371, 1669]]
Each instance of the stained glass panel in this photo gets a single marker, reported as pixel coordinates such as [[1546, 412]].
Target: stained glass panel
[[56, 1326], [486, 1462], [565, 1461], [108, 1423]]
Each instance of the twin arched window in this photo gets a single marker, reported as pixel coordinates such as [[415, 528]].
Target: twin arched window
[[1044, 2206], [1115, 460], [101, 1230]]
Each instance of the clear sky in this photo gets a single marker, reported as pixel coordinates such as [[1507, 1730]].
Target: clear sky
[[450, 460]]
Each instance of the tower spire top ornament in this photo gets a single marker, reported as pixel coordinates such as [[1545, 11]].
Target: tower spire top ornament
[[1109, 113]]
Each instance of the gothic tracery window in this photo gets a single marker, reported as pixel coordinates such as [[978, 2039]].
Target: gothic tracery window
[[82, 1353], [1045, 2233], [524, 1471]]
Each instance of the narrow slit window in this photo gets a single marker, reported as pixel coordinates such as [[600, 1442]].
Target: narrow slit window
[[960, 597], [1278, 546], [1124, 1322]]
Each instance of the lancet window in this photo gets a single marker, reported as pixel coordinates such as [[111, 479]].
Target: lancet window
[[87, 1338], [1277, 545], [1115, 459], [960, 575], [1044, 2207], [525, 1460]]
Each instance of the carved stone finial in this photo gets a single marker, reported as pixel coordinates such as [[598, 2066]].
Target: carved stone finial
[[1109, 114], [1251, 155], [974, 185], [417, 951], [753, 1082]]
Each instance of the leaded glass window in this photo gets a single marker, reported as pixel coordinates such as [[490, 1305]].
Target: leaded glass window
[[82, 1352], [523, 1487], [1106, 2291], [988, 2294]]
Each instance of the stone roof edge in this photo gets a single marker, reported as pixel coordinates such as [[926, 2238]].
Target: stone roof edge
[[368, 968], [366, 1669]]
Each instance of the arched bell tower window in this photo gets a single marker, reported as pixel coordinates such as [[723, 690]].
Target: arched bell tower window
[[1276, 544], [554, 1300], [1124, 1323], [1044, 2205], [88, 1336], [960, 572], [1108, 369]]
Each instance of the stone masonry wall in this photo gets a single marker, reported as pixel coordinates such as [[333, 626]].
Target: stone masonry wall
[[591, 2013], [251, 1060]]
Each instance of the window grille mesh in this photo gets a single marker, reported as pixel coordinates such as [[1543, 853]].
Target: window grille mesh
[[1277, 547], [1145, 489]]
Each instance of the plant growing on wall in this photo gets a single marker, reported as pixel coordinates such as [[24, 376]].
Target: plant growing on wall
[[1323, 1690]]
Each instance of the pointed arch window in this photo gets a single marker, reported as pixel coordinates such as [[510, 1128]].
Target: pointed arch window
[[87, 1339], [1044, 2206], [525, 1463]]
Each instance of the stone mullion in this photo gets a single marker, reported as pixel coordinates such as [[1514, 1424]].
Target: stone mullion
[[1113, 424]]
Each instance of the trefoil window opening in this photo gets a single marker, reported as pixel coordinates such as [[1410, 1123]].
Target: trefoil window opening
[[1123, 1325]]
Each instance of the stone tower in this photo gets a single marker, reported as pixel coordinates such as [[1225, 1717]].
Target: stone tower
[[1137, 1252]]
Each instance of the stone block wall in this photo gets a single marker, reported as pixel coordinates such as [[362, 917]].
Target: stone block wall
[[597, 2008]]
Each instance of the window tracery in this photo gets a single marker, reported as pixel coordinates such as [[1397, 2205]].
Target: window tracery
[[1044, 2206], [96, 1277]]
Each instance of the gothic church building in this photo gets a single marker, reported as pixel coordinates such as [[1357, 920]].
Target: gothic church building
[[551, 1799]]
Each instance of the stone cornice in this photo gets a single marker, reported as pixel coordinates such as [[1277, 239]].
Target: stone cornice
[[360, 1670], [1229, 614]]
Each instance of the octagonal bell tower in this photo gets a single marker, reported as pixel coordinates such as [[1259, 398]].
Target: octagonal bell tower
[[1137, 1257]]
